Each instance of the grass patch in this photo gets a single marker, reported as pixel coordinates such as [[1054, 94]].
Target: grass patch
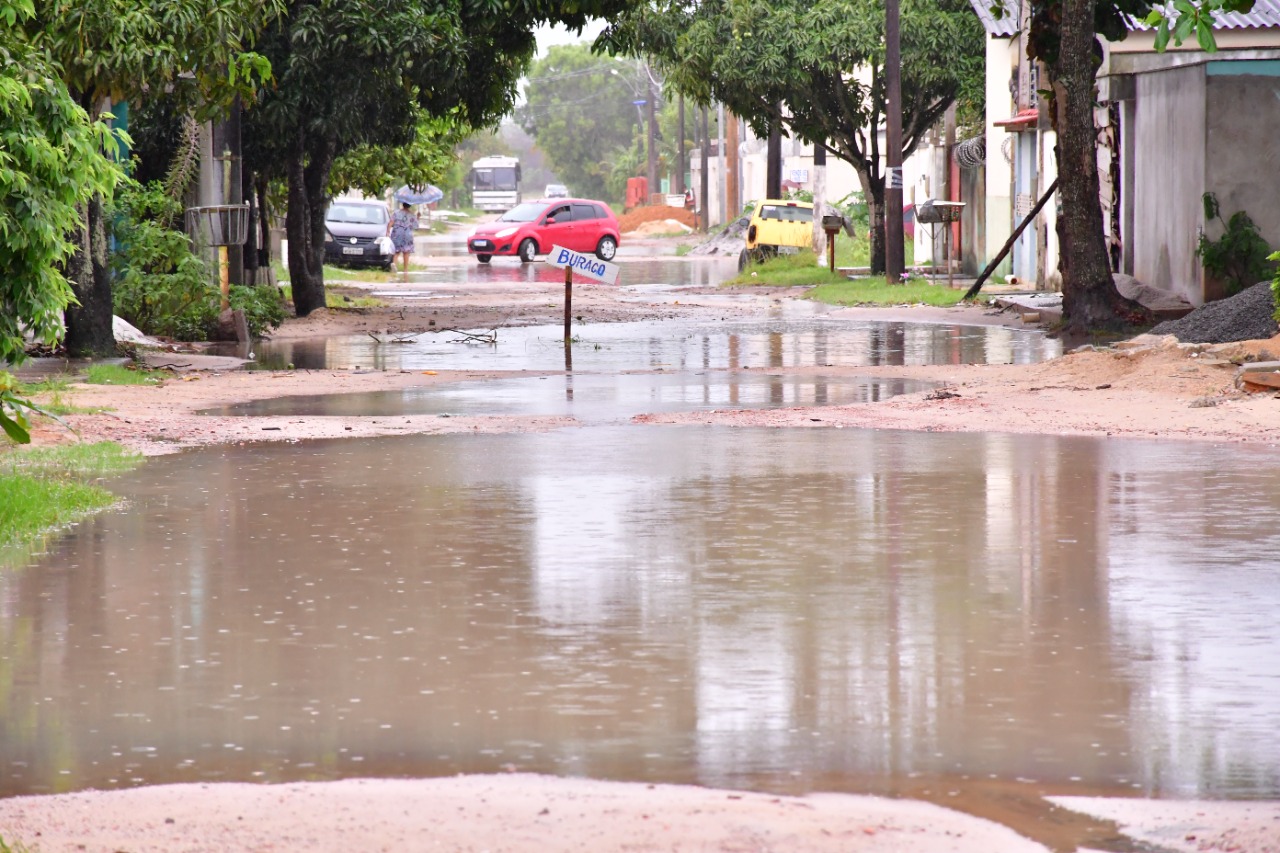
[[53, 396], [45, 488], [119, 374], [373, 276], [876, 291], [798, 270], [339, 299]]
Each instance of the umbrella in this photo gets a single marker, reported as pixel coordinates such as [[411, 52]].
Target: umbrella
[[421, 194]]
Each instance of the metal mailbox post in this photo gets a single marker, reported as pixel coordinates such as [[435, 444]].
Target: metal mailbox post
[[832, 223], [934, 213], [219, 225]]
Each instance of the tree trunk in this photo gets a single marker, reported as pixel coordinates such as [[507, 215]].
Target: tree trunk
[[304, 224], [773, 170], [873, 192], [89, 333], [1090, 299]]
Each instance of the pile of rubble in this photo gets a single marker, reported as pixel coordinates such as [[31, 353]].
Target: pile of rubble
[[1247, 316]]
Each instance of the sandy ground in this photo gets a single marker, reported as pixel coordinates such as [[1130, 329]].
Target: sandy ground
[[1148, 388]]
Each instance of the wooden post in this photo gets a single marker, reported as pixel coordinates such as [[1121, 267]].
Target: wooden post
[[224, 277], [568, 304], [831, 251]]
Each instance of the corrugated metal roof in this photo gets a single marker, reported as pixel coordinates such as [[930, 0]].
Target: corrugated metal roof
[[1265, 13], [1006, 25]]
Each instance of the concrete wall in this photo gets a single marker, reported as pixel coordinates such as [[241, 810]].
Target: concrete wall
[[1001, 59], [1243, 140], [1169, 179]]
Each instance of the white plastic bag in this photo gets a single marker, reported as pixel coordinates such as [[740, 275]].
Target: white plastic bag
[[386, 246]]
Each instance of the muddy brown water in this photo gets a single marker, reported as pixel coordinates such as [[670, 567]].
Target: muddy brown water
[[974, 619], [798, 337]]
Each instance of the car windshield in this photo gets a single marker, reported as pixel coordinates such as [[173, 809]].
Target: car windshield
[[526, 212], [367, 214], [787, 213]]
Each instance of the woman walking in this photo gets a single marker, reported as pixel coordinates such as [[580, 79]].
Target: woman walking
[[400, 229]]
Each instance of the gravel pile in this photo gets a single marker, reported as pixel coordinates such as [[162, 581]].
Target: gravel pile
[[730, 241], [1247, 316]]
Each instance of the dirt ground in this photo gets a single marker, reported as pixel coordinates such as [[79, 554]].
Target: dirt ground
[[1148, 388]]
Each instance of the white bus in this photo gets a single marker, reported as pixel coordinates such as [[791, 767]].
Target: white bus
[[495, 183]]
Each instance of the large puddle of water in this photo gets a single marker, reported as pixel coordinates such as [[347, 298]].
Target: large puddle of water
[[591, 397], [786, 610], [787, 341]]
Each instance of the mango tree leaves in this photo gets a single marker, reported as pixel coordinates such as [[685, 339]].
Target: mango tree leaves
[[51, 161]]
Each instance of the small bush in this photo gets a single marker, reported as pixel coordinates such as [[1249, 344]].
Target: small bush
[[164, 288], [1240, 258], [1275, 283]]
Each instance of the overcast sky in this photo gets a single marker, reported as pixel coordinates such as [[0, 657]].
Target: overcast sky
[[548, 36]]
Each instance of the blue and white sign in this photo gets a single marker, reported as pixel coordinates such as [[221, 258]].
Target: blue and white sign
[[588, 265]]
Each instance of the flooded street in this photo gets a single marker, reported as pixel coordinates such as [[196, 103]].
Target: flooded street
[[973, 619], [814, 610]]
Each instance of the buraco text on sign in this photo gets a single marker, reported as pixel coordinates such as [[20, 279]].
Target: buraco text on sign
[[585, 264]]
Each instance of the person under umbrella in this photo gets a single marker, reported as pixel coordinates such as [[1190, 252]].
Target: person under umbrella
[[400, 229]]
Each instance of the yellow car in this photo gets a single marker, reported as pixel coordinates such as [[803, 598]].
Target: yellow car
[[777, 227]]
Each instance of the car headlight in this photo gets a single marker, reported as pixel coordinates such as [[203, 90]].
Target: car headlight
[[506, 232], [328, 238]]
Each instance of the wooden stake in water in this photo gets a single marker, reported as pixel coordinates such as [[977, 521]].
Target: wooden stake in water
[[568, 303]]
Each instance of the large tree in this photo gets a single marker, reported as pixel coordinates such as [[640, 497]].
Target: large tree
[[51, 163], [815, 67], [579, 107], [352, 73], [120, 50], [1064, 35]]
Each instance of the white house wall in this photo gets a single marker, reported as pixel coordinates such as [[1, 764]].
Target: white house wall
[[1001, 59], [1169, 179]]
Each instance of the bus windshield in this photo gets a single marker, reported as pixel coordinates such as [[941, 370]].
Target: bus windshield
[[497, 178]]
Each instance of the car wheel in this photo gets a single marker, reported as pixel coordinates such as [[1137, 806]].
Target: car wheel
[[528, 250], [606, 248], [744, 258], [484, 259]]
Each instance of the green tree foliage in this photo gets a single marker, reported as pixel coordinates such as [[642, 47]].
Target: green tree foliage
[[815, 68], [113, 50], [50, 164], [578, 106], [356, 72], [426, 159]]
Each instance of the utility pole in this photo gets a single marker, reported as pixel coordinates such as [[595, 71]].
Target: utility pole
[[819, 198], [893, 250], [678, 186], [653, 134], [720, 142], [773, 173], [704, 176], [732, 196]]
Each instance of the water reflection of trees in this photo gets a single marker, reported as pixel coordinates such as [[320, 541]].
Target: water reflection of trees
[[731, 606]]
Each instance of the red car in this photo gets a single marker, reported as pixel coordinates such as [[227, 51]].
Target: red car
[[532, 228]]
